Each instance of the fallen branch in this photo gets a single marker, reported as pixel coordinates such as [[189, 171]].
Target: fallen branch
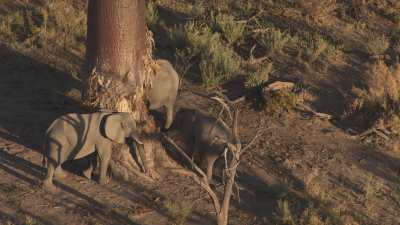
[[374, 131], [307, 109], [279, 85]]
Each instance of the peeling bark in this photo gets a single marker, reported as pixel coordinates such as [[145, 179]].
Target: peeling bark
[[118, 69]]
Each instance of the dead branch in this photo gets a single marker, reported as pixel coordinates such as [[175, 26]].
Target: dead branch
[[279, 85], [374, 131], [258, 134], [223, 104], [183, 153], [307, 109], [203, 181]]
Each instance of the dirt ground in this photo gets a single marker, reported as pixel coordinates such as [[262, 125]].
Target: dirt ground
[[304, 170], [313, 164]]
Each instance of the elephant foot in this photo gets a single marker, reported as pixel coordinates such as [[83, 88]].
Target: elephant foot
[[87, 173], [50, 187], [60, 174], [104, 180]]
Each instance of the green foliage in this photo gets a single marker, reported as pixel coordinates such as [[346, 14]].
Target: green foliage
[[151, 14], [377, 45], [274, 40], [232, 30], [38, 26], [197, 9], [196, 42], [280, 101], [284, 213], [259, 77], [178, 210], [314, 46]]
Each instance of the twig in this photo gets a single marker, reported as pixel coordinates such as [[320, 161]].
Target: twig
[[258, 134]]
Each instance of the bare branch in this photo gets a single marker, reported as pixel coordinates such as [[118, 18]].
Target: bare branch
[[206, 186], [307, 109], [235, 127], [183, 153], [223, 104]]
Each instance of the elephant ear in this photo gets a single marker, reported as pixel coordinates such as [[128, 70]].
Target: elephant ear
[[113, 128]]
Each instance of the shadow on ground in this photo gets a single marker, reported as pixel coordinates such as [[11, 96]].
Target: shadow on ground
[[31, 97]]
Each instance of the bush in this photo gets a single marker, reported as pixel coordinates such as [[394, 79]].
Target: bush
[[226, 24], [35, 25], [196, 42], [274, 40], [178, 211], [377, 45], [259, 77], [151, 14]]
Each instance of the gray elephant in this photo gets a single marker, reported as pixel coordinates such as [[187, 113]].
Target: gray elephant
[[208, 136], [164, 90], [75, 136]]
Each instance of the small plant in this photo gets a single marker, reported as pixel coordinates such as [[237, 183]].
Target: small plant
[[314, 47], [259, 77], [197, 9], [275, 40], [278, 102], [216, 61], [178, 210], [278, 190], [226, 24], [377, 45], [318, 10], [283, 212], [151, 14]]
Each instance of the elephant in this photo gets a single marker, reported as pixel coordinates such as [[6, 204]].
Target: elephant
[[164, 90], [208, 136], [74, 136]]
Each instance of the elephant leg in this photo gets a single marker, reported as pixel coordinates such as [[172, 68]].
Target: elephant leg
[[210, 160], [53, 161], [105, 156], [92, 160], [59, 172], [169, 109], [88, 172], [48, 181]]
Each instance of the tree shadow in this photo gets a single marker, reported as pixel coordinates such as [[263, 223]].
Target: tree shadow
[[32, 94], [378, 163], [18, 167]]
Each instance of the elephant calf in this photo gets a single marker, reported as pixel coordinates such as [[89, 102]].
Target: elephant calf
[[164, 90], [209, 136], [75, 136]]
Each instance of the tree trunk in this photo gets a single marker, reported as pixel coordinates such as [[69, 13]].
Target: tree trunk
[[118, 70]]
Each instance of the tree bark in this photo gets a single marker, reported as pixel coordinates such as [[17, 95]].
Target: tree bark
[[118, 70]]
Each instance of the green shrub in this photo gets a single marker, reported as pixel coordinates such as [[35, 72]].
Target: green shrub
[[259, 77], [274, 40], [33, 26], [197, 9], [377, 45], [196, 42], [217, 64], [313, 47], [151, 14], [231, 30], [178, 211]]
